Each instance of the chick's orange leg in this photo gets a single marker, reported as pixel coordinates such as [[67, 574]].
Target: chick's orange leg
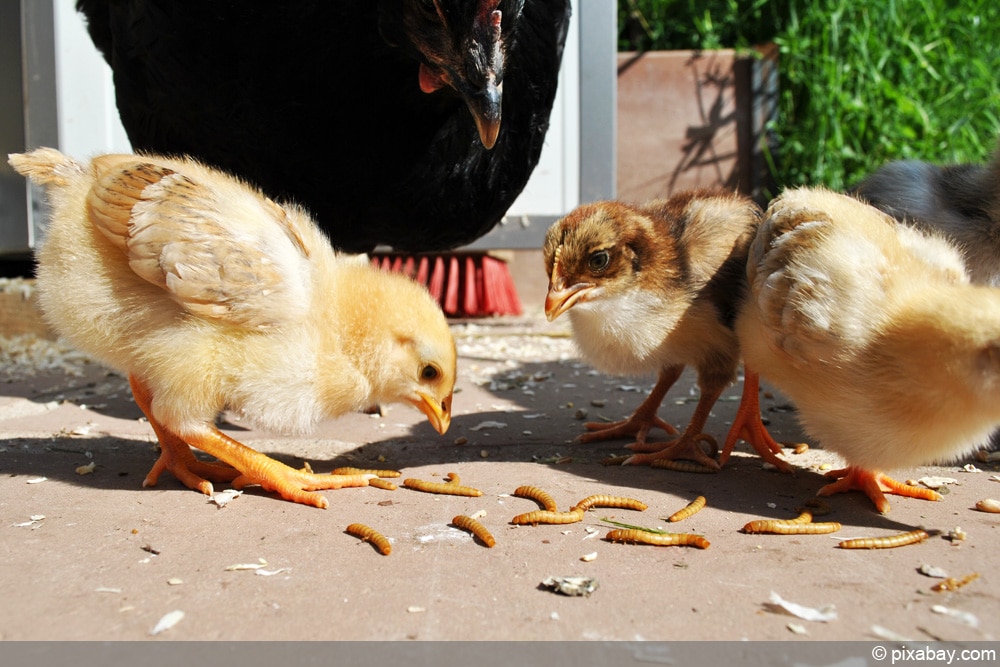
[[643, 419], [256, 468], [685, 447], [748, 425], [175, 454], [875, 485]]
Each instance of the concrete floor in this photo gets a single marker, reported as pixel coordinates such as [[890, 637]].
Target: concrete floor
[[97, 557]]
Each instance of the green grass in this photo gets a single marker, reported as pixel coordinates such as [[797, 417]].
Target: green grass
[[862, 82]]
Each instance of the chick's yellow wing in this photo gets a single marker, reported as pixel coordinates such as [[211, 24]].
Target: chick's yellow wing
[[218, 248], [818, 278]]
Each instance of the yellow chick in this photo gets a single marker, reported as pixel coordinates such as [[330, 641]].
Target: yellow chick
[[211, 296], [872, 329], [652, 289]]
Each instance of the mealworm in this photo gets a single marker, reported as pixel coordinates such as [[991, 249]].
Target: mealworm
[[369, 534], [365, 471], [887, 542], [538, 495], [682, 466], [659, 539], [952, 584], [615, 460], [690, 509], [777, 527], [547, 516], [382, 484], [614, 502], [476, 528], [453, 478], [441, 487], [801, 448]]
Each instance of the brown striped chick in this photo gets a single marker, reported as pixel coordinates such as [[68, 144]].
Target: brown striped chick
[[211, 296], [652, 289], [872, 329]]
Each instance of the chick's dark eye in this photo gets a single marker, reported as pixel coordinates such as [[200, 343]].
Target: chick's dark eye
[[599, 261], [428, 373]]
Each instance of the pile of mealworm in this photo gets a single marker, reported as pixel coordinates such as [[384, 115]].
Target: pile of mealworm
[[549, 513]]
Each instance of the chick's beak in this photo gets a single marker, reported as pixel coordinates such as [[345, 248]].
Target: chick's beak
[[559, 299], [438, 413]]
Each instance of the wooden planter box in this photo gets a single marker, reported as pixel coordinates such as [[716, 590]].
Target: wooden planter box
[[694, 119]]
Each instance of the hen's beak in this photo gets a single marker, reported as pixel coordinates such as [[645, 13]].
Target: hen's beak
[[485, 108], [438, 413], [484, 104], [560, 299]]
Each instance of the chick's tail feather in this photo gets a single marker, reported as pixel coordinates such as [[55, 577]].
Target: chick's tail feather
[[465, 284], [46, 166]]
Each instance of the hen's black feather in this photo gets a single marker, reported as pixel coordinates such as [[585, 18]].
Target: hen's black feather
[[311, 102]]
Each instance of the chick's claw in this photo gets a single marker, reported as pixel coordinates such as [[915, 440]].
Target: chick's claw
[[686, 448], [748, 425], [191, 472], [636, 426], [296, 485], [875, 485]]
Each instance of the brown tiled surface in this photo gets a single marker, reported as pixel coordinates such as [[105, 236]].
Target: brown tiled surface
[[110, 559]]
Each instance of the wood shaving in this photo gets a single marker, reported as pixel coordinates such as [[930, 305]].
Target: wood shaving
[[797, 628], [820, 615], [964, 617], [223, 498], [168, 621], [487, 424], [26, 355], [932, 482], [34, 521], [236, 567], [888, 635], [932, 571], [571, 586]]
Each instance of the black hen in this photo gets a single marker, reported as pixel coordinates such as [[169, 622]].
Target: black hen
[[408, 123], [960, 202]]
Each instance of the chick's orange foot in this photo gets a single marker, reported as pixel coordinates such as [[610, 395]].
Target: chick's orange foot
[[191, 472], [875, 485], [175, 454], [685, 448], [642, 420], [749, 426], [637, 426], [271, 475]]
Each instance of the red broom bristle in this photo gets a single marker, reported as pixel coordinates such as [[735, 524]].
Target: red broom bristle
[[479, 286], [450, 304]]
